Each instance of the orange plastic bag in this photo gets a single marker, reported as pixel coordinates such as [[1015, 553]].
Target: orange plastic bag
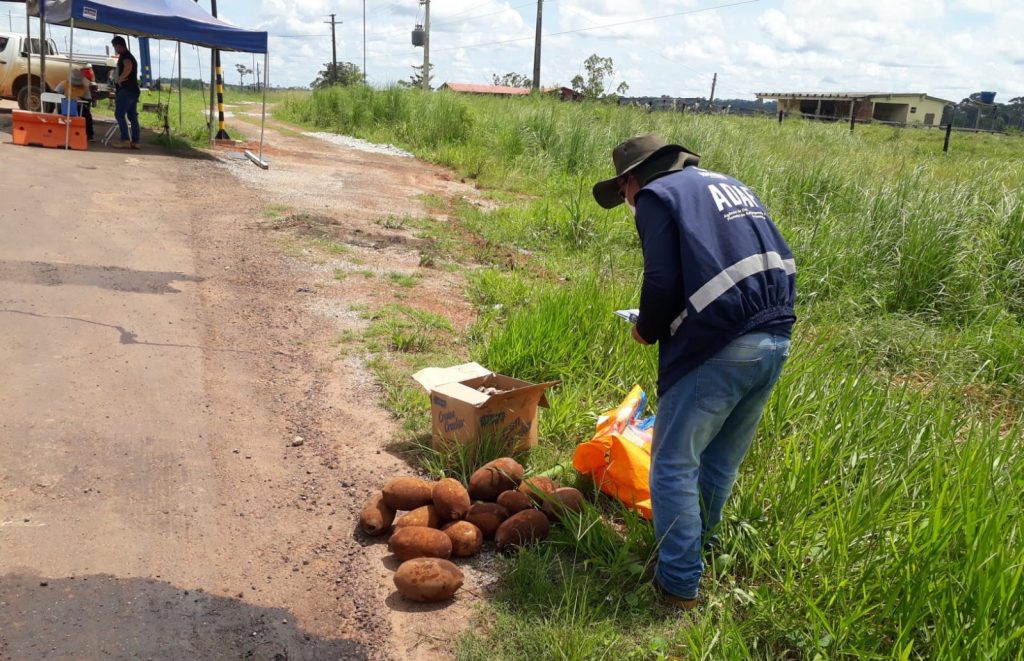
[[618, 457]]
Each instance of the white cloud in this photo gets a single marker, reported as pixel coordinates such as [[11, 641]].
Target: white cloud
[[779, 29], [947, 48]]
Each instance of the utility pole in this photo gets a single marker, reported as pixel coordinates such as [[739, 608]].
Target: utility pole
[[426, 45], [714, 82], [536, 46], [364, 42], [334, 51]]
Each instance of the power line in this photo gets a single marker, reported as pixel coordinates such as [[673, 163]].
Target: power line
[[381, 36], [493, 13], [601, 27], [471, 9], [678, 63]]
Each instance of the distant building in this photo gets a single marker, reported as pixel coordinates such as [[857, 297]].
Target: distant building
[[567, 94], [495, 90], [662, 103], [894, 108]]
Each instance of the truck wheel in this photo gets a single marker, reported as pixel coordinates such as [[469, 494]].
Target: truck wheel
[[28, 99]]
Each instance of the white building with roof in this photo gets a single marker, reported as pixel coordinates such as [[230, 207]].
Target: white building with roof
[[910, 108]]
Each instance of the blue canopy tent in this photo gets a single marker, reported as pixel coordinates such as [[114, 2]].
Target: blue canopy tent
[[174, 20]]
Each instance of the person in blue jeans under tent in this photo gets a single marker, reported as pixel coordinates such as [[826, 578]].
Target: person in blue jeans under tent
[[718, 295], [126, 99]]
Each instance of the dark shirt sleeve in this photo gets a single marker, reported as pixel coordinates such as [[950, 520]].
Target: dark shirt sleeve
[[662, 294]]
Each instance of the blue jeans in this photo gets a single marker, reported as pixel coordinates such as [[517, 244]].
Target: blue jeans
[[126, 109], [705, 424]]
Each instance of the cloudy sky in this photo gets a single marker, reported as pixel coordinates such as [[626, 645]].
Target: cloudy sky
[[947, 48]]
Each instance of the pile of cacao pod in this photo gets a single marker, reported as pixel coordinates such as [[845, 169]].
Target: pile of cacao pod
[[445, 519]]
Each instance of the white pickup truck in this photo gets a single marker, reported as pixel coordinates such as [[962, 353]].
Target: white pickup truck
[[15, 81]]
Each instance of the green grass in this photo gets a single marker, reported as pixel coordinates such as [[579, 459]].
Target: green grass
[[405, 280], [194, 131], [879, 514]]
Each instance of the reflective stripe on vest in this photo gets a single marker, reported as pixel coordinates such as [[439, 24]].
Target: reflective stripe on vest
[[728, 278]]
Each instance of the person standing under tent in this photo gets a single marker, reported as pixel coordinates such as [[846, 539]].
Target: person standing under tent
[[126, 101], [80, 81]]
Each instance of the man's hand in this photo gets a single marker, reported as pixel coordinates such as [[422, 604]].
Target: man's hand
[[638, 337]]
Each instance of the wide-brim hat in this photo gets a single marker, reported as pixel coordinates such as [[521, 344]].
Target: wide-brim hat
[[630, 155]]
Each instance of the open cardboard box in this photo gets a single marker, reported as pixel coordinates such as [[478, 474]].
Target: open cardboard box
[[461, 413]]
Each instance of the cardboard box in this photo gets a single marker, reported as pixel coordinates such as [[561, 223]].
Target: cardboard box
[[461, 413]]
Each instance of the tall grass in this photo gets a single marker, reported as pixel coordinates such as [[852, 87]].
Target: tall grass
[[879, 513]]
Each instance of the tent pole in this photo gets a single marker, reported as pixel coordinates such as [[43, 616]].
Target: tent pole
[[213, 93], [179, 88], [42, 51], [67, 88], [28, 49], [266, 80]]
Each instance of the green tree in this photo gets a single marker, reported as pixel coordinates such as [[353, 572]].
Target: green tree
[[512, 79], [243, 71], [344, 74], [600, 74], [416, 79], [1015, 113]]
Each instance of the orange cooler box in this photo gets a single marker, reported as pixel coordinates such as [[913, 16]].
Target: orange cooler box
[[44, 130]]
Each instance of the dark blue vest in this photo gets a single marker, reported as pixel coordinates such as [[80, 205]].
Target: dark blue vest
[[738, 273]]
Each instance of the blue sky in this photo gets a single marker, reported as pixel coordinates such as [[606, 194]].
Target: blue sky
[[947, 48]]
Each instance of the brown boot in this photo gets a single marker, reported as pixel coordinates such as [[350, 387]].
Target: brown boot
[[123, 144], [136, 145], [675, 601]]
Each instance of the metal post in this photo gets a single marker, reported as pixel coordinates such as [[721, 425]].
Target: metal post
[[426, 46], [781, 115], [67, 89], [222, 134], [853, 114], [536, 46], [714, 83], [180, 111], [28, 49], [364, 42], [949, 132], [42, 51], [213, 93], [213, 74], [266, 82]]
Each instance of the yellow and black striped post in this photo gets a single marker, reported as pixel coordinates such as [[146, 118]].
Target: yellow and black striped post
[[221, 133]]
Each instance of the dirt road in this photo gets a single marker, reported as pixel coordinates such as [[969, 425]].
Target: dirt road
[[182, 450]]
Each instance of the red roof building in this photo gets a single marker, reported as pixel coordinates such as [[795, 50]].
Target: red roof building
[[470, 88]]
